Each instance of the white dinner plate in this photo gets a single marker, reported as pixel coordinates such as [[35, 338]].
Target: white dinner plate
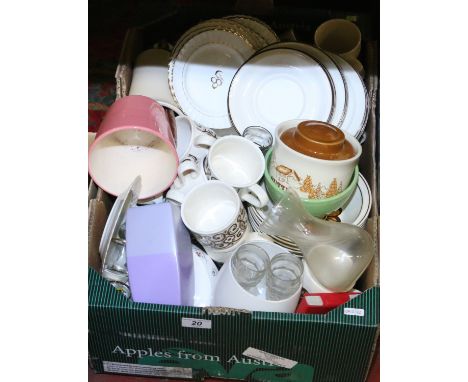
[[201, 71], [336, 77], [278, 85], [262, 29], [358, 100]]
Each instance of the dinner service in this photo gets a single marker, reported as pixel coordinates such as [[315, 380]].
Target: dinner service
[[205, 129]]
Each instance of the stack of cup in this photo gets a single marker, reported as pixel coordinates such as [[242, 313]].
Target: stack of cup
[[212, 210]]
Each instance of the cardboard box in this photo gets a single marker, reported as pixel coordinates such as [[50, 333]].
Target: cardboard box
[[188, 342]]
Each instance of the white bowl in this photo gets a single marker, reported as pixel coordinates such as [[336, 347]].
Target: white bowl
[[229, 293]]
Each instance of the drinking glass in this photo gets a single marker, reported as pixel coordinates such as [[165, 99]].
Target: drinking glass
[[284, 276], [249, 266], [260, 136]]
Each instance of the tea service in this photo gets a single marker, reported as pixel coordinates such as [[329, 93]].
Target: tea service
[[276, 201]]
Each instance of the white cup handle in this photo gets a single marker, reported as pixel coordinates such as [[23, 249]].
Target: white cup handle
[[204, 140], [255, 195], [175, 195], [188, 167]]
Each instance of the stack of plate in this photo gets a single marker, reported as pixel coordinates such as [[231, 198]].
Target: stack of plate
[[204, 61], [354, 212], [291, 80]]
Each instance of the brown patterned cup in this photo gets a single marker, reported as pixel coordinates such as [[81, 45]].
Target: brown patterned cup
[[214, 213]]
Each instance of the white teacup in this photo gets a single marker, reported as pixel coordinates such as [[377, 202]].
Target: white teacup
[[214, 213], [238, 162]]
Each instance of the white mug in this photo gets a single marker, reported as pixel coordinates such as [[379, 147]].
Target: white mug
[[214, 213], [240, 163], [229, 293]]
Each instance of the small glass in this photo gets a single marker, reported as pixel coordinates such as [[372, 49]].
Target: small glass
[[249, 266], [260, 136], [284, 276]]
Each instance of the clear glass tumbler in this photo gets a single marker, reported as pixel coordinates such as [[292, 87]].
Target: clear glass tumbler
[[260, 136], [249, 266], [284, 277]]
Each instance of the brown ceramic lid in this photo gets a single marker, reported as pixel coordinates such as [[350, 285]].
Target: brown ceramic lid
[[319, 140]]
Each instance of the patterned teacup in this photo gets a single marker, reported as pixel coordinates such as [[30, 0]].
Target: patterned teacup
[[310, 177], [214, 213]]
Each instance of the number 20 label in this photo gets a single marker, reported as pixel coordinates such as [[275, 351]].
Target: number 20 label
[[196, 323]]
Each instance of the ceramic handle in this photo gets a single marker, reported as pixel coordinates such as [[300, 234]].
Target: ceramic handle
[[188, 167], [204, 140], [255, 195]]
